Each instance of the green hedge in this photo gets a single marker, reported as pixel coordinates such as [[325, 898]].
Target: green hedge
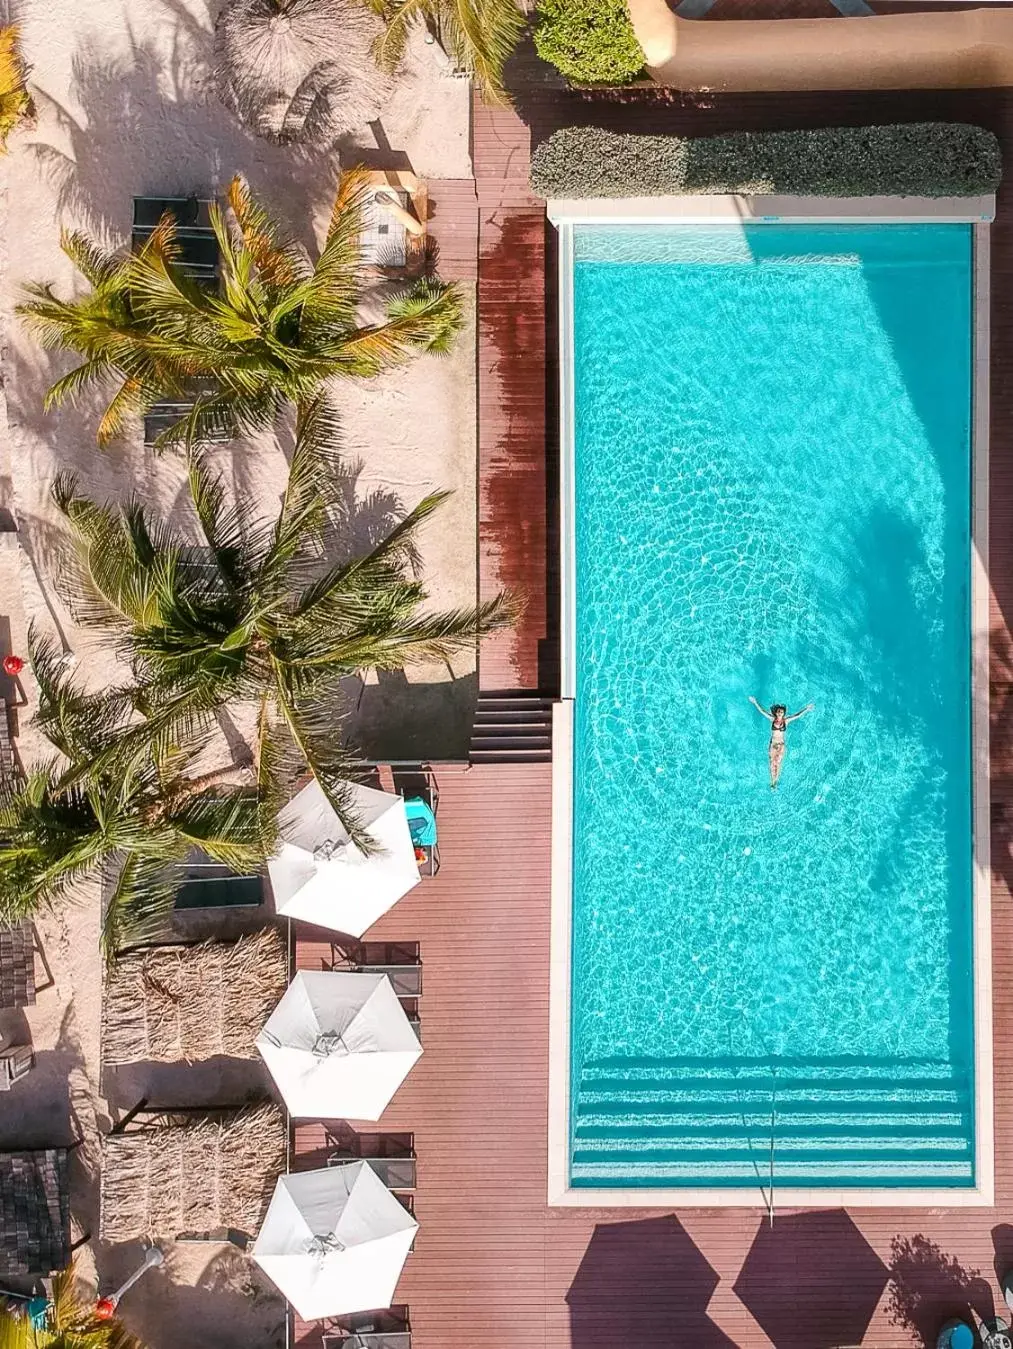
[[924, 159], [590, 41]]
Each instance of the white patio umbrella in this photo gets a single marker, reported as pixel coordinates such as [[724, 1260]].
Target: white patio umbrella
[[320, 876], [334, 1241], [338, 1045]]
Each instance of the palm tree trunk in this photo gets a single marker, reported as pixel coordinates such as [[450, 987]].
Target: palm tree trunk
[[234, 775]]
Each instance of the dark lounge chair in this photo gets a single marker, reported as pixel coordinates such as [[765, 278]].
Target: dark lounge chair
[[194, 235], [199, 255], [399, 961], [397, 1173], [210, 885], [386, 1329]]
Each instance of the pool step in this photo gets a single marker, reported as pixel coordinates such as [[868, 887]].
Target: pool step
[[840, 1124], [512, 726]]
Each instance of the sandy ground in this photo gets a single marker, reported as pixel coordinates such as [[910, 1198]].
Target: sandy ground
[[125, 107]]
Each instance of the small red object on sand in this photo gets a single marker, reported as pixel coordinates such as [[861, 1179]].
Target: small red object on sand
[[421, 855], [13, 665], [105, 1309]]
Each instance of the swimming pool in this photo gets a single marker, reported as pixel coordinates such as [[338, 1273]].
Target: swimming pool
[[771, 481]]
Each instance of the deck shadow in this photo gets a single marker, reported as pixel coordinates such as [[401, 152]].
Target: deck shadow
[[793, 1276], [929, 1287], [643, 1283]]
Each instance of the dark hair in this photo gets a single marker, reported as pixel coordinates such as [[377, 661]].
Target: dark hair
[[778, 709]]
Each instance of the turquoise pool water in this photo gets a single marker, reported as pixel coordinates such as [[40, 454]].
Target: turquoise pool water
[[772, 483]]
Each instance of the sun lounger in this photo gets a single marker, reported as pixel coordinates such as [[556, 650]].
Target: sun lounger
[[397, 1173], [386, 1329], [199, 255], [380, 1339], [198, 246], [399, 961], [164, 415], [209, 885]]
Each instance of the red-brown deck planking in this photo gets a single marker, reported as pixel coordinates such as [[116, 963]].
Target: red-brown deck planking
[[493, 1265], [453, 226], [511, 395]]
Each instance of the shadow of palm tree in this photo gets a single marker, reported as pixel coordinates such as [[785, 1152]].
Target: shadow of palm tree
[[928, 1287], [151, 124]]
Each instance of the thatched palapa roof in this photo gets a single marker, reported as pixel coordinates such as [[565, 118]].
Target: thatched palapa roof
[[192, 1175], [303, 74], [175, 1004]]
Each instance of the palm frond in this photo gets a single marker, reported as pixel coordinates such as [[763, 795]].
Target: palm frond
[[329, 297], [275, 257], [96, 264], [400, 16], [15, 103], [140, 903]]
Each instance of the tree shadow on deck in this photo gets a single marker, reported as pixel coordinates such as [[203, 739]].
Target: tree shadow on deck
[[643, 1283], [929, 1287], [519, 488]]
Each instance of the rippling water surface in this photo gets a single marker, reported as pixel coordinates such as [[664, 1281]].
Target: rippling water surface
[[772, 498]]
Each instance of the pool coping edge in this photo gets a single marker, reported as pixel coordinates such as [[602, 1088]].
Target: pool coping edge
[[560, 1193], [770, 209]]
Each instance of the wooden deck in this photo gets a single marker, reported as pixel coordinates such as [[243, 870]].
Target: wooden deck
[[493, 1266], [513, 377]]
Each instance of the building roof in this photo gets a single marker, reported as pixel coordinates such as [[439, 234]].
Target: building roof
[[168, 1174], [180, 1003], [34, 1212], [17, 965]]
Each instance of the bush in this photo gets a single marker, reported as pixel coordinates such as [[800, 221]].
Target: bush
[[924, 159], [591, 41]]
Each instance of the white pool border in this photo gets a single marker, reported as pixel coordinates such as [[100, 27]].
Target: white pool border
[[978, 211]]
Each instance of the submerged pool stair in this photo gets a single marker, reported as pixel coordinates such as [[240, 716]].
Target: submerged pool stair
[[863, 1122]]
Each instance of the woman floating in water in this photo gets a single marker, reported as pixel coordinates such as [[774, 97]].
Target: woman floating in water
[[778, 718]]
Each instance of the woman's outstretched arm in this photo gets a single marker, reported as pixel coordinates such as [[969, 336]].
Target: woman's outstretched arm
[[800, 713], [760, 708]]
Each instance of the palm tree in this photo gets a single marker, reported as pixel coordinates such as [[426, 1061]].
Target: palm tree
[[277, 326], [477, 35], [299, 71], [15, 103], [118, 805], [70, 1324], [254, 614]]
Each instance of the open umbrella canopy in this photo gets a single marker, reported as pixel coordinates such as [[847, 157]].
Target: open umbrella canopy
[[334, 1241], [320, 876], [338, 1045]]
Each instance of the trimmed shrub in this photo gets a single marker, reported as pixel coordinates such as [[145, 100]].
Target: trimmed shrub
[[590, 41], [924, 159]]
